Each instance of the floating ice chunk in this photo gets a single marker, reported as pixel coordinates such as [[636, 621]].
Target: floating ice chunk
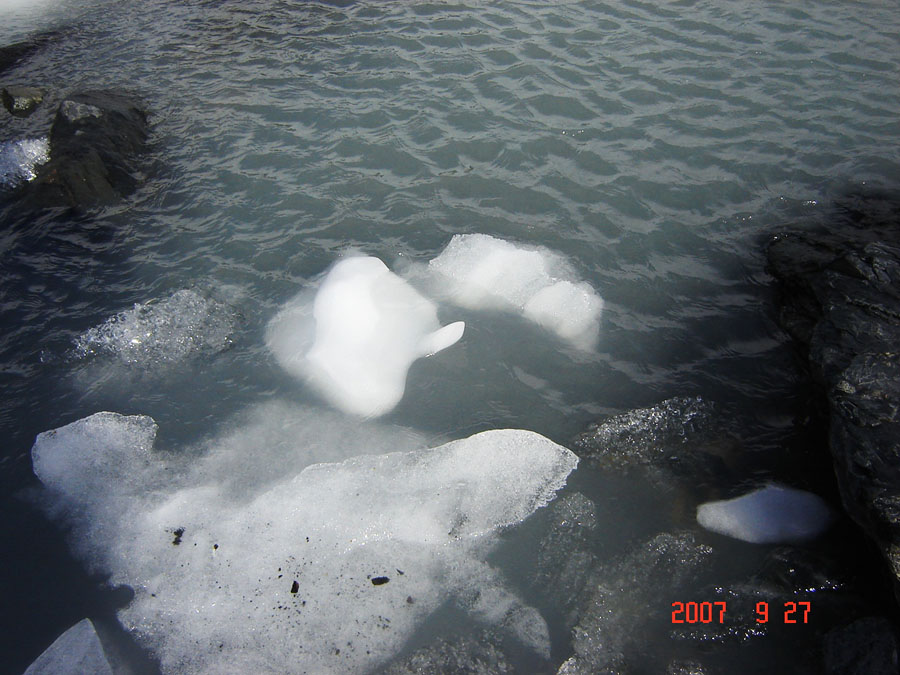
[[481, 272], [769, 515], [328, 569], [75, 652], [19, 160], [366, 328], [161, 331]]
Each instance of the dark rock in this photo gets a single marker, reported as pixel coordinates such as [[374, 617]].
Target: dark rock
[[625, 596], [839, 289], [12, 54], [675, 439], [868, 646], [21, 101], [565, 559], [95, 140]]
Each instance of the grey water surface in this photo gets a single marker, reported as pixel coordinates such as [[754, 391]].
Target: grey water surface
[[656, 145]]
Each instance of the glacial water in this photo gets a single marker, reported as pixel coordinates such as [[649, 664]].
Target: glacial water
[[653, 146]]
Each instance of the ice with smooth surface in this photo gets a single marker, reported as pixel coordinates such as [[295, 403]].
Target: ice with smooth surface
[[76, 652], [185, 324], [328, 568], [771, 514], [478, 271], [357, 341], [19, 159]]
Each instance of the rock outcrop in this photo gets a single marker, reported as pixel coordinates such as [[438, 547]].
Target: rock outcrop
[[95, 141], [839, 286]]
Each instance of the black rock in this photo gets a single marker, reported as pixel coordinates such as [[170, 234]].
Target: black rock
[[868, 646], [21, 101], [839, 288], [12, 54], [95, 142]]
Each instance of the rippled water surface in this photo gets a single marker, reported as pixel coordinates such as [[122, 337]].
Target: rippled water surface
[[655, 145]]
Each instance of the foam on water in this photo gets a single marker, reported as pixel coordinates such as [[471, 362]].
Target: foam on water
[[327, 569], [162, 331], [482, 272], [357, 340], [772, 514], [19, 160]]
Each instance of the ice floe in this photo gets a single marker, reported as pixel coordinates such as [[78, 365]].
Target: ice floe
[[356, 340], [771, 514], [478, 271], [327, 569]]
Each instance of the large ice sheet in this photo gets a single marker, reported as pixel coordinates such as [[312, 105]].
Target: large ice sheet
[[771, 514], [325, 569], [482, 272], [76, 652], [357, 340]]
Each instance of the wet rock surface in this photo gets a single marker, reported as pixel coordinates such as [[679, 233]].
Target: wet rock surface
[[21, 101], [839, 286], [95, 142]]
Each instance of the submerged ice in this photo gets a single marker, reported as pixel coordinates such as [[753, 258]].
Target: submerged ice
[[356, 340], [478, 271], [326, 569], [185, 324]]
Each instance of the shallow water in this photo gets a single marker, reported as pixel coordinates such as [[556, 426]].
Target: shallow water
[[656, 147]]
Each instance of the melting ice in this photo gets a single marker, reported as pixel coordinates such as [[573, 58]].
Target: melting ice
[[325, 569], [20, 159], [769, 515], [356, 341], [185, 324], [482, 272]]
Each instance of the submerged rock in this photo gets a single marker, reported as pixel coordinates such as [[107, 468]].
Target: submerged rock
[[471, 654], [94, 142], [12, 54], [622, 598], [676, 438], [840, 299]]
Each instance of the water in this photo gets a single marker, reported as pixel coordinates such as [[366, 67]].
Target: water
[[656, 147]]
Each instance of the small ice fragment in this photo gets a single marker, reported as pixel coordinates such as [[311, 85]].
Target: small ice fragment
[[769, 515]]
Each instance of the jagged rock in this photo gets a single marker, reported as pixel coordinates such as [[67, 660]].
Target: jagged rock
[[21, 101], [609, 630], [868, 646], [95, 140], [675, 439], [75, 652], [839, 290]]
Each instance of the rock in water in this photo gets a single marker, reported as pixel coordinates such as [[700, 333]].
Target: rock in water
[[277, 575], [482, 272], [21, 101], [76, 652], [839, 287], [367, 327], [95, 140], [772, 514]]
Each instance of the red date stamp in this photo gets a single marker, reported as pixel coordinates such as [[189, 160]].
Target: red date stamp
[[714, 612]]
